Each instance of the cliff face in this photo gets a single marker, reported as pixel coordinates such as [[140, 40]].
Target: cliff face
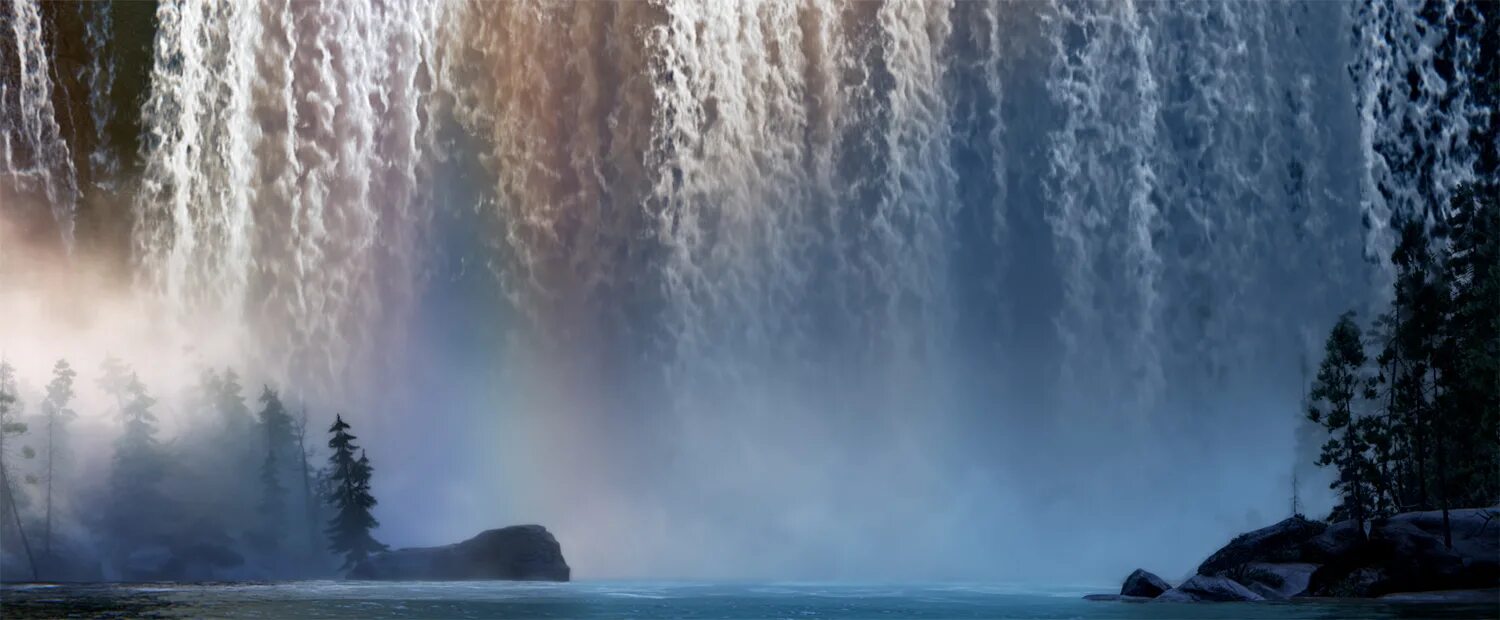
[[518, 553]]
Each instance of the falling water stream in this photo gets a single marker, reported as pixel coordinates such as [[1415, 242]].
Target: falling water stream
[[815, 273]]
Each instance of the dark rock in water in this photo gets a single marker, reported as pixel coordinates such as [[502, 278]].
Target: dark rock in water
[[1276, 582], [1359, 582], [1116, 598], [1202, 588], [518, 552], [1406, 553], [1145, 584], [1416, 558], [1279, 543]]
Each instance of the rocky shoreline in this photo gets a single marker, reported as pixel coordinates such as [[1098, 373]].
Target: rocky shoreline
[[1403, 558]]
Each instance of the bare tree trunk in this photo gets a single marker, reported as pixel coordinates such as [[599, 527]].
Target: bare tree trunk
[[307, 496], [47, 523], [1440, 430]]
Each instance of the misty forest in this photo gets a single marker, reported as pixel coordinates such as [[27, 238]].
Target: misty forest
[[236, 495], [1001, 291]]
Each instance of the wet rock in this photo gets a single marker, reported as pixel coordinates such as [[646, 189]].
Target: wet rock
[[1202, 588], [1144, 584], [1338, 542], [1279, 543], [1276, 582], [1407, 553], [518, 552], [1411, 550]]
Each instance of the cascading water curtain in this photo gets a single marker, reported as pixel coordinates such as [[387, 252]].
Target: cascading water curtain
[[904, 242]]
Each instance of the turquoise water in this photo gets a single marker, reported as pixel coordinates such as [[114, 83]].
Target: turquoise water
[[585, 600]]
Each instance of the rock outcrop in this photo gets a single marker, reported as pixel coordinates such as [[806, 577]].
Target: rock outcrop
[[1404, 554], [1407, 553], [518, 553], [1144, 584], [1276, 582], [1279, 543], [1202, 588]]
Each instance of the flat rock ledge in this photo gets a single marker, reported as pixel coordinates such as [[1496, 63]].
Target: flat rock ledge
[[515, 553]]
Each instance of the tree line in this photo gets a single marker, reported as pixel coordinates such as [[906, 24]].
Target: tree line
[[1411, 403], [236, 494]]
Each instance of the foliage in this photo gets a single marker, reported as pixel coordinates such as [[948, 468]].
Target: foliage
[[349, 478]]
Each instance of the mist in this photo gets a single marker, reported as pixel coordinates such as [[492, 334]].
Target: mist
[[799, 291]]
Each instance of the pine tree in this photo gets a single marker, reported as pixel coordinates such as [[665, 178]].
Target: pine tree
[[57, 414], [270, 500], [230, 402], [276, 425], [349, 531], [114, 379], [1411, 331], [11, 426], [139, 468], [1339, 383], [1466, 365]]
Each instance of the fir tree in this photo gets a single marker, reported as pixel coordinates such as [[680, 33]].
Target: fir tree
[[138, 471], [276, 425], [1466, 364], [11, 427], [1338, 384], [57, 414], [270, 499], [349, 531], [229, 402], [114, 379]]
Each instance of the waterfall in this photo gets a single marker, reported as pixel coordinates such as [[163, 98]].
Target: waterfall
[[813, 252], [282, 145], [34, 157]]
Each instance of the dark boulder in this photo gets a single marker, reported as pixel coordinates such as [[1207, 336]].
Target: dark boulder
[[1275, 582], [1358, 582], [518, 552], [1407, 553], [1275, 544], [1412, 552], [1145, 584], [1202, 588], [1337, 543]]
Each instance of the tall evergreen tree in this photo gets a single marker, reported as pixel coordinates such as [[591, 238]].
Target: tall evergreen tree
[[276, 426], [271, 500], [1339, 383], [114, 379], [1466, 364], [349, 531], [57, 414], [229, 402], [139, 467], [11, 427]]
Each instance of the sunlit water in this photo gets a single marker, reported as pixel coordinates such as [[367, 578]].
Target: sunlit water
[[329, 599]]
